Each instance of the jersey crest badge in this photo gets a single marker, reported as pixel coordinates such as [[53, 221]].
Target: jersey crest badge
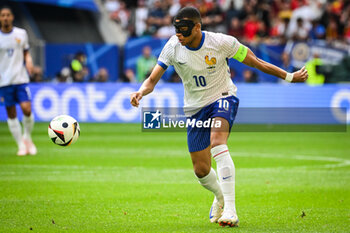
[[211, 64], [18, 40]]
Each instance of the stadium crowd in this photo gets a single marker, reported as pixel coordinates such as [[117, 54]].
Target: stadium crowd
[[251, 21], [272, 22]]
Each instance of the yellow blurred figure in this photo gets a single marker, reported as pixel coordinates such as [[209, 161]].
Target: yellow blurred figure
[[314, 78]]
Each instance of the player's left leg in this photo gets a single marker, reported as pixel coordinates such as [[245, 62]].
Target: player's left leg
[[226, 171], [28, 124], [24, 98]]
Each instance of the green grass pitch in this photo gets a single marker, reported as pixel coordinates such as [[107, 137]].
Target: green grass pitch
[[118, 179]]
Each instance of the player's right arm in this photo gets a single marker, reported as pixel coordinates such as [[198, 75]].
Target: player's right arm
[[147, 86], [164, 60]]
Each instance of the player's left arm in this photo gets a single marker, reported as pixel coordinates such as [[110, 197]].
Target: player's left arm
[[252, 61], [28, 61]]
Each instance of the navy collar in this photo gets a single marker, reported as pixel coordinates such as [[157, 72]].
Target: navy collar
[[7, 32], [199, 46]]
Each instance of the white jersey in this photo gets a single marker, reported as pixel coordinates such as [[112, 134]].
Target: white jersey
[[204, 71], [12, 46]]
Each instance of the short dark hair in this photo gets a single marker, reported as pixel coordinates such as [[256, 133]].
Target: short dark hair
[[189, 13], [6, 7]]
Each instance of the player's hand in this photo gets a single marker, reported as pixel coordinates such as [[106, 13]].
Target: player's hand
[[300, 75], [135, 98]]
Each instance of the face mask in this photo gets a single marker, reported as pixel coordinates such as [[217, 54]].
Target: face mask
[[184, 23]]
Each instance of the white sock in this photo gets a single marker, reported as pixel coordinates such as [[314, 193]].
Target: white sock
[[226, 174], [16, 130], [211, 183], [28, 123]]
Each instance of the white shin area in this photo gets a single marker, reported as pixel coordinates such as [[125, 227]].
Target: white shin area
[[226, 174]]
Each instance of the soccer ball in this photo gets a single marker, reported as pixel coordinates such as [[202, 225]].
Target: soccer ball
[[64, 130]]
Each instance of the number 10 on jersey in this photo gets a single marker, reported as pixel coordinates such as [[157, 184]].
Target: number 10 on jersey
[[200, 81]]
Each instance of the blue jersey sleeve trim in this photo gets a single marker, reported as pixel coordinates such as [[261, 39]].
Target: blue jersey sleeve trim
[[162, 65]]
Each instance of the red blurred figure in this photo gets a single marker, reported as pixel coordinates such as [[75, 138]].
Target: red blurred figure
[[251, 27]]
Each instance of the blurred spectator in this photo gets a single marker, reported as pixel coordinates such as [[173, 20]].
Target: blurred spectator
[[285, 11], [302, 15], [128, 76], [318, 31], [279, 29], [250, 76], [145, 64], [238, 4], [141, 14], [64, 76], [187, 2], [337, 6], [311, 66], [344, 19], [262, 31], [112, 5], [202, 5], [263, 11], [214, 19], [174, 7], [347, 32], [78, 68], [247, 9], [155, 17], [37, 75], [121, 16], [300, 32], [167, 30], [332, 29], [235, 28], [232, 13], [326, 15], [294, 4], [101, 76], [251, 27]]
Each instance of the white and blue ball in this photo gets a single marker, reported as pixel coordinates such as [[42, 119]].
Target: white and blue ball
[[64, 130]]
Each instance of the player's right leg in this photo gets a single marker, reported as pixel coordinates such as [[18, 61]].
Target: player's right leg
[[207, 178], [198, 140], [10, 100]]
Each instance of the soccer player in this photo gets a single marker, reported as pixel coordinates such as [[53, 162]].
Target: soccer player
[[200, 59], [15, 61]]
